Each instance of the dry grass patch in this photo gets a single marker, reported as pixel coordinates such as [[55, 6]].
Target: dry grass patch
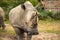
[[46, 26]]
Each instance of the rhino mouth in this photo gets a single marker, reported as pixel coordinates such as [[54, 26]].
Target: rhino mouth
[[33, 32]]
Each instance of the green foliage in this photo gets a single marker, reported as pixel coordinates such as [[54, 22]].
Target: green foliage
[[49, 15], [56, 16], [34, 2]]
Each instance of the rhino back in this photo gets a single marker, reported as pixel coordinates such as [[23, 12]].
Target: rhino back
[[1, 13]]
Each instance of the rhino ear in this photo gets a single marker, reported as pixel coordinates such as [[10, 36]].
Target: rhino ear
[[23, 6]]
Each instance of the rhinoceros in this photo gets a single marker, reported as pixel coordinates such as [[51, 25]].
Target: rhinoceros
[[2, 24], [23, 19]]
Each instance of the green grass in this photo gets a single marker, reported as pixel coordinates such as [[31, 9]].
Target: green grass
[[7, 22], [9, 31]]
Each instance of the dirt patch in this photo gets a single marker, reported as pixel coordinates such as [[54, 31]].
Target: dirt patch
[[41, 36], [46, 36], [9, 37]]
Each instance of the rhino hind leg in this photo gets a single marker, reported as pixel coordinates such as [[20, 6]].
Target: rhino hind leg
[[20, 33], [0, 26], [3, 26]]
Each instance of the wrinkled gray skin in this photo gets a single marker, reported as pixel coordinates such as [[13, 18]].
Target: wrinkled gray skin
[[2, 24], [23, 18]]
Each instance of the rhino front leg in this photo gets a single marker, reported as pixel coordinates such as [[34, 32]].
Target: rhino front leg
[[20, 33], [29, 37]]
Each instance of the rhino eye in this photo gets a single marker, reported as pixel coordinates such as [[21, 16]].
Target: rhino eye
[[26, 23], [34, 25]]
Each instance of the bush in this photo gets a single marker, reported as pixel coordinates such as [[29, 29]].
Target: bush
[[43, 15], [56, 16]]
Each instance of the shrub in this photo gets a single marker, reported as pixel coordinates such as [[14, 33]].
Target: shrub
[[56, 16], [43, 15]]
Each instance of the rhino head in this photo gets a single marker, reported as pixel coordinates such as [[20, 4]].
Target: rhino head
[[31, 18]]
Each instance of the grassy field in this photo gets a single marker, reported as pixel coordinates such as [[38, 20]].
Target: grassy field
[[51, 26]]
